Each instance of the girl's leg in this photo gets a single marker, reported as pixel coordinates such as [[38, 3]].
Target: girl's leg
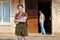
[[19, 37], [25, 38], [42, 28]]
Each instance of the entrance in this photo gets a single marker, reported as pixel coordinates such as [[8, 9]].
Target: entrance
[[32, 7], [46, 9]]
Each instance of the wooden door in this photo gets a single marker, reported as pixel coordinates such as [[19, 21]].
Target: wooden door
[[32, 10]]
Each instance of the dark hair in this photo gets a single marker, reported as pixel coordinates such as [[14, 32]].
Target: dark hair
[[19, 5]]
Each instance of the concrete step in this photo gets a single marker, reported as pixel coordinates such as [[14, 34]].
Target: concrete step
[[35, 38], [30, 37]]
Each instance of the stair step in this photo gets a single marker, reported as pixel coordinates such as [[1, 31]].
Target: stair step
[[30, 37]]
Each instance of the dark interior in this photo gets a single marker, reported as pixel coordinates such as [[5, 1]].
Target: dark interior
[[46, 9]]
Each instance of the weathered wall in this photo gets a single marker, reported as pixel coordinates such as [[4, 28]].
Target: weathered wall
[[10, 28], [56, 16]]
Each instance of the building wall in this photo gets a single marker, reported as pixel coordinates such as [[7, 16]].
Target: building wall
[[10, 28], [55, 17]]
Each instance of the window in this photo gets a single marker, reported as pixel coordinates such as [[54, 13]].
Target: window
[[5, 11], [32, 6]]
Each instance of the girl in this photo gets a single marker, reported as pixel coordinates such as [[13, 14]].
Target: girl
[[21, 23], [41, 20]]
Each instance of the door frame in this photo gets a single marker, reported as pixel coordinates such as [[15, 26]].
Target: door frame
[[51, 14]]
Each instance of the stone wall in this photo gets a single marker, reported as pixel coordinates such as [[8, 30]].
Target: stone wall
[[10, 28], [56, 16]]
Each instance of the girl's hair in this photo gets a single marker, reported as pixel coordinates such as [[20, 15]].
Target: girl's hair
[[19, 5]]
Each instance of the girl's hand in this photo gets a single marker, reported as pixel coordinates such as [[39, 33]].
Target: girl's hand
[[16, 22]]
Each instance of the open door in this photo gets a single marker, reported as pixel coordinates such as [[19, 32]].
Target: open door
[[45, 6]]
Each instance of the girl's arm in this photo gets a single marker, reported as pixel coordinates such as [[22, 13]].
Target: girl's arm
[[23, 19]]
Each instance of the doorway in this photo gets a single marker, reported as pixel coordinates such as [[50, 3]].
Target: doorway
[[46, 9], [32, 7]]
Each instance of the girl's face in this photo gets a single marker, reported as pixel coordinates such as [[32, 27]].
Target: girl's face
[[40, 12], [20, 9]]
